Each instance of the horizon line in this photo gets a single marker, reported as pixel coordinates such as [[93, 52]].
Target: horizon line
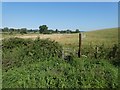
[[62, 29]]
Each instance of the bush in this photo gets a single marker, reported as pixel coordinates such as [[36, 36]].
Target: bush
[[17, 51], [23, 31], [11, 43], [101, 52]]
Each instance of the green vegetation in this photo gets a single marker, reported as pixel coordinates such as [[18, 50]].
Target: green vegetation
[[23, 31], [57, 73], [43, 29], [39, 63], [17, 51]]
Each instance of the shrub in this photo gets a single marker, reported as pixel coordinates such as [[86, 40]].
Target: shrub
[[101, 52], [11, 43], [17, 51]]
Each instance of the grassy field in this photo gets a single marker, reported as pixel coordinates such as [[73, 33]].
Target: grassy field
[[98, 37], [105, 36], [30, 62]]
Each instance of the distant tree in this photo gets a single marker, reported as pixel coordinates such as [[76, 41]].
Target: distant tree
[[68, 31], [35, 31], [23, 31], [0, 29], [18, 30], [63, 31], [43, 29], [6, 29], [31, 30], [11, 30], [56, 31], [77, 31]]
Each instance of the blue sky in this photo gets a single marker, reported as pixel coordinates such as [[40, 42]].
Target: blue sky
[[60, 15], [0, 14]]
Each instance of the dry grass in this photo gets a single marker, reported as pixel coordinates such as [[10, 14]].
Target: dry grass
[[99, 37], [64, 39]]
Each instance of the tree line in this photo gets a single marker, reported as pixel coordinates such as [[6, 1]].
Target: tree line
[[43, 29]]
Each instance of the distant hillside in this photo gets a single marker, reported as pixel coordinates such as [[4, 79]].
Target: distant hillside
[[111, 33], [104, 30], [106, 36]]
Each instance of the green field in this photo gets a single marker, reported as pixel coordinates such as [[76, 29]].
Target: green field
[[32, 62], [98, 37]]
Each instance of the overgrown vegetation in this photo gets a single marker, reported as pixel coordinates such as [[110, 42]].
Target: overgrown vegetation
[[38, 63], [57, 73], [101, 52], [17, 51]]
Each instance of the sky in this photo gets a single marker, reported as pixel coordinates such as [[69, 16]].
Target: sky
[[84, 16], [60, 0], [0, 14]]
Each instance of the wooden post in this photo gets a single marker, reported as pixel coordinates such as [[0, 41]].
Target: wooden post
[[79, 51], [63, 54]]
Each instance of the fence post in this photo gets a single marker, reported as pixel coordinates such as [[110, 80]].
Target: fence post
[[63, 54], [79, 51]]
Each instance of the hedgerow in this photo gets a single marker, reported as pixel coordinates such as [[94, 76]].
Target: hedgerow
[[39, 64], [17, 51]]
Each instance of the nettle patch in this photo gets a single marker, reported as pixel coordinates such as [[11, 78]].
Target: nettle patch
[[39, 63], [17, 51]]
